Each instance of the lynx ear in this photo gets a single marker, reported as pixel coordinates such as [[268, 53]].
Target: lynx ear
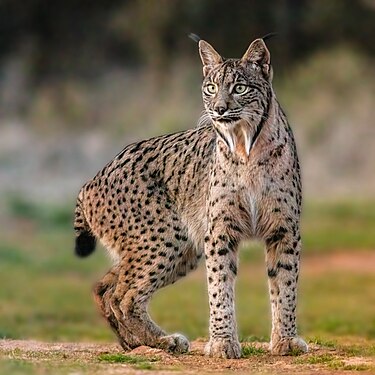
[[257, 53], [209, 56]]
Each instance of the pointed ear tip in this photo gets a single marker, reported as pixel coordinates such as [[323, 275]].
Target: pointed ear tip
[[259, 41], [202, 43]]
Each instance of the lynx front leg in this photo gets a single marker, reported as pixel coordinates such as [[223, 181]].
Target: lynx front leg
[[282, 258], [221, 264]]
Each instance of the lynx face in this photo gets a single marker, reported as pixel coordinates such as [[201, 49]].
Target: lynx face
[[236, 93]]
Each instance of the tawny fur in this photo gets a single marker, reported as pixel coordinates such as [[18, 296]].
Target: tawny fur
[[161, 204]]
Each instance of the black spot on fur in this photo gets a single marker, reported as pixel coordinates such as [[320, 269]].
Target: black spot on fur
[[233, 267], [276, 236], [272, 272], [223, 251], [287, 267]]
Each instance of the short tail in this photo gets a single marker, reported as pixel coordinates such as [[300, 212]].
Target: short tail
[[85, 240]]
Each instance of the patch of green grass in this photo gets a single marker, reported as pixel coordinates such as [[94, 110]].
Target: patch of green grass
[[17, 367], [329, 227], [364, 349], [343, 225], [315, 359], [331, 361], [253, 338], [46, 216], [323, 342], [336, 364], [252, 350], [47, 290], [295, 352], [140, 362], [145, 366], [338, 304], [345, 367], [341, 365]]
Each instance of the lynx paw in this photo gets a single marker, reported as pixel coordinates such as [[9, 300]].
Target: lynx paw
[[223, 348], [175, 343], [289, 345]]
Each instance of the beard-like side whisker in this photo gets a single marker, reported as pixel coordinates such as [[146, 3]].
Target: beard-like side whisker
[[262, 117], [225, 125]]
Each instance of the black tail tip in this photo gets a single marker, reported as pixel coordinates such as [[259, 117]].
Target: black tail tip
[[85, 244]]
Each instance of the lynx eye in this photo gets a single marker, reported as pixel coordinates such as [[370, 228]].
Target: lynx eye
[[211, 89], [239, 89]]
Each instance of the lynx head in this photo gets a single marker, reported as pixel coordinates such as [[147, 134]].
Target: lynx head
[[236, 91]]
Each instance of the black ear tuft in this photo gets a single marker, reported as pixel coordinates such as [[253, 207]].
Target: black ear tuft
[[196, 38], [269, 36]]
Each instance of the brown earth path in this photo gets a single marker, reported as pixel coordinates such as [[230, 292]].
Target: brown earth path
[[84, 358]]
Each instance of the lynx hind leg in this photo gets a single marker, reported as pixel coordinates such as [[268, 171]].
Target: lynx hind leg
[[282, 259], [135, 285], [115, 296], [103, 291]]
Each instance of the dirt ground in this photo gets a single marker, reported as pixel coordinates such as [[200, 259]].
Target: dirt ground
[[51, 356]]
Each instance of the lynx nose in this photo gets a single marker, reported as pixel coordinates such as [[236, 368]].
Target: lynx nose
[[220, 109]]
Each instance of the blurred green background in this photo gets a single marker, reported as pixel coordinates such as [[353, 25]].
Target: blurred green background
[[81, 79]]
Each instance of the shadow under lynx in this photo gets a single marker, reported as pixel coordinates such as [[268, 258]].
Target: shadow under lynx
[[162, 203]]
